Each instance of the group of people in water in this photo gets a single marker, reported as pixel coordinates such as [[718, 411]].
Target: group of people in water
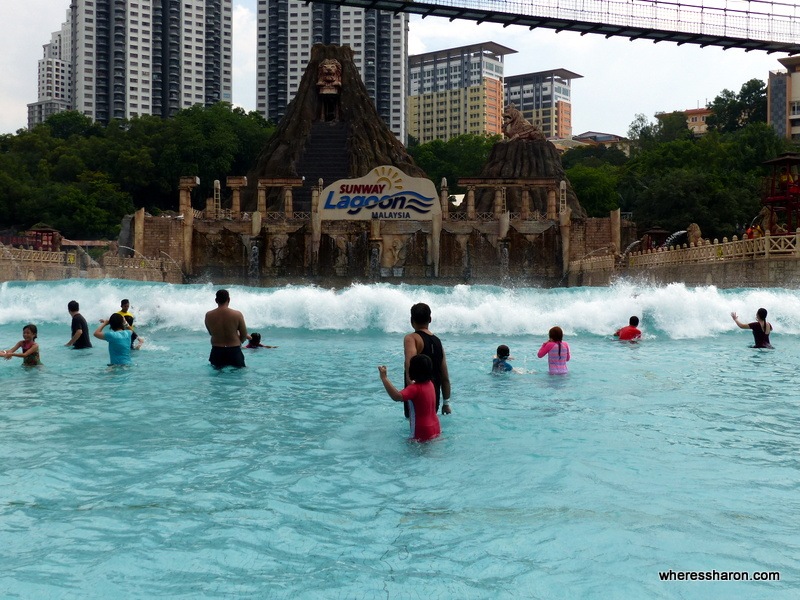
[[426, 377]]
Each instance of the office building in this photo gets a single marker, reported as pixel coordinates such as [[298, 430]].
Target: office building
[[138, 57], [287, 31], [456, 91], [783, 99], [545, 99]]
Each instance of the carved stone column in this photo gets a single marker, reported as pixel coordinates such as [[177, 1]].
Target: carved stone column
[[525, 209], [616, 235], [316, 227], [138, 232], [444, 197], [565, 222], [288, 209], [262, 197], [471, 202], [498, 203], [236, 184], [186, 185], [552, 211], [375, 249]]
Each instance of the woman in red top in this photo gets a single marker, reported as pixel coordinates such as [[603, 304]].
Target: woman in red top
[[420, 395]]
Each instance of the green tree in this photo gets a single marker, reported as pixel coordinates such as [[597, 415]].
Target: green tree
[[593, 156], [672, 126], [732, 111], [714, 181], [596, 188], [65, 124], [83, 177], [460, 156]]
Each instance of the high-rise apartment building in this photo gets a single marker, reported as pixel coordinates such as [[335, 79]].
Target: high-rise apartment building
[[545, 99], [456, 91], [55, 78], [287, 30], [138, 57], [783, 99]]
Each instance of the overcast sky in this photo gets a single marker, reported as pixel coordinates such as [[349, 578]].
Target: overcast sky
[[621, 78]]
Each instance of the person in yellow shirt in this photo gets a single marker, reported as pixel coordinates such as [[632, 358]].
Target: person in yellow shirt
[[125, 305]]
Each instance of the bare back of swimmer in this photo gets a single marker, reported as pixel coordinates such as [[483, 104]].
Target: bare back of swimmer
[[228, 332]]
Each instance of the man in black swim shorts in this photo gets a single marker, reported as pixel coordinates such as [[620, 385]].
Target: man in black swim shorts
[[228, 332]]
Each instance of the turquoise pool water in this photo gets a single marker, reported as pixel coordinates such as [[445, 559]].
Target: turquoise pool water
[[294, 479]]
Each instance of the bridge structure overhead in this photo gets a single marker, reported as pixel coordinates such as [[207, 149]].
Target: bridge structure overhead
[[746, 24]]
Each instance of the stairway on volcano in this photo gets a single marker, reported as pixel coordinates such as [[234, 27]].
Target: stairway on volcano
[[325, 156]]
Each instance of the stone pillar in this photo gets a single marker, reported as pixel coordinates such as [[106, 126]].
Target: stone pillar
[[316, 227], [471, 202], [565, 222], [375, 249], [138, 232], [552, 212], [186, 185], [616, 235], [262, 197], [498, 203], [236, 184], [209, 212], [525, 209], [288, 209], [436, 236], [444, 197]]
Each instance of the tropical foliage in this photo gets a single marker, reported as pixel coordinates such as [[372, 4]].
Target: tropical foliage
[[461, 156], [673, 178], [82, 178]]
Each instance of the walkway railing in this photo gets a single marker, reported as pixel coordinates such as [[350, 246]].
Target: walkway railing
[[37, 255], [768, 246]]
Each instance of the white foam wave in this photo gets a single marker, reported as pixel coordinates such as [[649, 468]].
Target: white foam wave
[[673, 311]]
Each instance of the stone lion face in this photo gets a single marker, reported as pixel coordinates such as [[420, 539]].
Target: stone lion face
[[329, 70], [510, 114]]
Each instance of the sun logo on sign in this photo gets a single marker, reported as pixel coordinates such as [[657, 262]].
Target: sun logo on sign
[[390, 176]]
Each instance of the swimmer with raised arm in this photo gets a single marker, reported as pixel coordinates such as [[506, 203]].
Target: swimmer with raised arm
[[557, 351], [760, 328], [420, 397], [118, 337]]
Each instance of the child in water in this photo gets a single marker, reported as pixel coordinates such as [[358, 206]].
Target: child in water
[[28, 345], [136, 341], [254, 341], [118, 338], [420, 395], [557, 352], [500, 362]]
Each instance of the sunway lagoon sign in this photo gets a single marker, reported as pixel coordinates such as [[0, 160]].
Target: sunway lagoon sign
[[384, 193]]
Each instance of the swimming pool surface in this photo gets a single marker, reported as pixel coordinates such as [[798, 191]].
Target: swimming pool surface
[[293, 478]]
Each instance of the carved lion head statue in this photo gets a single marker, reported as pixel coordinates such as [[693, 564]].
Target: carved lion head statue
[[329, 73], [511, 114]]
